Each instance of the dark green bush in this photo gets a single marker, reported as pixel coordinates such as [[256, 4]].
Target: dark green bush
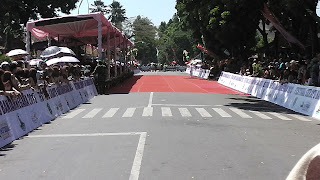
[[4, 58]]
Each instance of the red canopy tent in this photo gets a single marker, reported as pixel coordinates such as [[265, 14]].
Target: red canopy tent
[[86, 29]]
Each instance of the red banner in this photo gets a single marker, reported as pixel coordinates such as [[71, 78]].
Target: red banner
[[199, 46]]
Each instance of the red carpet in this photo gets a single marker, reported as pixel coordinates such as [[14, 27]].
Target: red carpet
[[171, 83]]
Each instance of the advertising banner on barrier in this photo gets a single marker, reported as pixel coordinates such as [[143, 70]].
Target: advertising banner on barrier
[[299, 98], [22, 114], [198, 72], [6, 135]]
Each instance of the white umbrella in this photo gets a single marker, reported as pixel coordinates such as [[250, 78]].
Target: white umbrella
[[69, 59], [66, 50], [64, 59], [50, 51], [35, 62], [17, 52]]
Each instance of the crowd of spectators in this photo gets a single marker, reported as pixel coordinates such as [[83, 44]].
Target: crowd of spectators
[[17, 76], [285, 70]]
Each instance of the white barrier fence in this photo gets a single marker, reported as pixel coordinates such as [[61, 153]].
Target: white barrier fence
[[20, 115], [299, 98], [199, 72]]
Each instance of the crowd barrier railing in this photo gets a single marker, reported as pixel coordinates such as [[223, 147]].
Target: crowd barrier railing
[[299, 98], [22, 114], [199, 72]]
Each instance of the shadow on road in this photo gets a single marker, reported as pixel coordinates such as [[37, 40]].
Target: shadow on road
[[6, 148], [251, 103], [124, 87]]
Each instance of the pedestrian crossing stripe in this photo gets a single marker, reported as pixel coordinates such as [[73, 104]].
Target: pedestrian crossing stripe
[[221, 112], [203, 112], [73, 113], [147, 112], [129, 112], [259, 114], [111, 113], [280, 116], [185, 112], [240, 113], [301, 118], [166, 111], [92, 113]]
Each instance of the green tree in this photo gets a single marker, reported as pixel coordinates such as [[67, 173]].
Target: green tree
[[127, 28], [173, 41], [232, 25], [98, 6], [145, 42], [299, 19], [223, 24], [117, 14], [15, 14]]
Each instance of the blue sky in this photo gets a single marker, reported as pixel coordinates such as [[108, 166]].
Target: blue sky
[[156, 10]]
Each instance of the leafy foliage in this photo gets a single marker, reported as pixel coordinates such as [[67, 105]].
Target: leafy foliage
[[15, 14], [99, 6], [224, 25], [173, 41], [232, 24], [145, 42], [117, 14], [4, 58]]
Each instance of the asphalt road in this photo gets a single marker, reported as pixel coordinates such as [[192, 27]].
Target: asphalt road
[[163, 135]]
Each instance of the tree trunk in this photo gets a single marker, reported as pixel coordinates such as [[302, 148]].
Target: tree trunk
[[276, 44], [315, 39], [265, 37]]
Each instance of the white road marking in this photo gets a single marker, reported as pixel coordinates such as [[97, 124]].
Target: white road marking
[[259, 114], [92, 113], [73, 113], [221, 112], [203, 112], [180, 105], [240, 113], [194, 105], [110, 113], [166, 111], [129, 112], [84, 135], [147, 111], [280, 116], [135, 170], [150, 99], [185, 112], [300, 117]]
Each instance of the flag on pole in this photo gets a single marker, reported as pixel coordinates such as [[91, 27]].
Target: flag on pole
[[269, 15], [199, 46]]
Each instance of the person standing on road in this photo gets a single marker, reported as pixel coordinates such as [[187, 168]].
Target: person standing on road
[[99, 74], [191, 70]]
